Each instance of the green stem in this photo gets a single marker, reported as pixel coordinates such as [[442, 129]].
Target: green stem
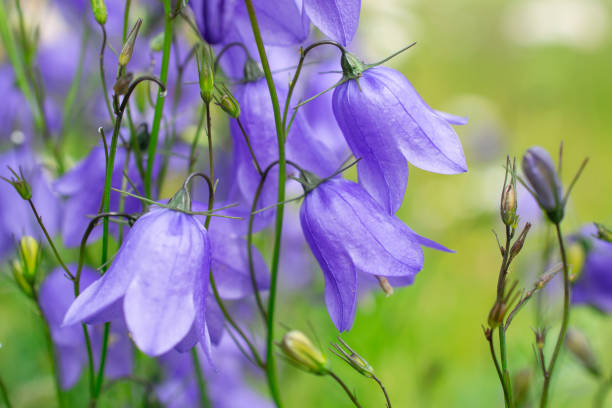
[[383, 389], [126, 19], [282, 172], [5, 395], [346, 389], [100, 378], [602, 393], [103, 75], [564, 322], [504, 366], [200, 378], [161, 97], [196, 138]]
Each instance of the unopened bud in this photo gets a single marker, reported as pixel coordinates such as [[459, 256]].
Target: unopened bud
[[540, 335], [542, 175], [123, 84], [520, 241], [25, 267], [227, 102], [508, 205], [385, 285], [300, 351], [576, 255], [352, 67], [99, 11], [346, 353], [521, 383], [206, 71], [128, 46], [251, 70], [579, 346], [497, 314], [157, 43], [20, 184], [604, 233]]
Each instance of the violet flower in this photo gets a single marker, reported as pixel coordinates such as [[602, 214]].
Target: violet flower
[[594, 283], [349, 232], [386, 122], [337, 19], [55, 295], [159, 278], [541, 173], [213, 17]]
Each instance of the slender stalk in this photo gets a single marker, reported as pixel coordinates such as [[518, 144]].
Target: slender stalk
[[126, 19], [194, 144], [489, 337], [383, 389], [161, 96], [205, 403], [103, 75], [5, 395], [504, 360], [564, 322], [210, 151], [248, 143], [346, 389], [282, 173]]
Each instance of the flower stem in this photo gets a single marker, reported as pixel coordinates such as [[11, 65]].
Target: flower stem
[[383, 389], [103, 74], [161, 96], [194, 144], [4, 393], [564, 322], [282, 171], [200, 377], [346, 389], [504, 367]]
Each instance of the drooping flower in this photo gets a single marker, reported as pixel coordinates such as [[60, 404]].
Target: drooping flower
[[337, 19], [591, 261], [55, 295], [386, 122], [213, 18], [350, 233], [159, 278], [541, 174]]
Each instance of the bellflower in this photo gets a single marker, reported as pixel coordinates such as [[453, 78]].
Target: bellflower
[[159, 278], [386, 122], [55, 295], [593, 286], [349, 232], [337, 19], [213, 17], [541, 173]]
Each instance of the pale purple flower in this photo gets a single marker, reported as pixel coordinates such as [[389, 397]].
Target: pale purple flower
[[55, 295], [159, 279], [337, 19], [214, 18], [349, 233], [386, 122], [541, 173]]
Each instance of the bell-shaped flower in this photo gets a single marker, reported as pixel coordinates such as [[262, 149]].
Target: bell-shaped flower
[[159, 278], [337, 19], [213, 17], [350, 233], [386, 122], [541, 173], [55, 295]]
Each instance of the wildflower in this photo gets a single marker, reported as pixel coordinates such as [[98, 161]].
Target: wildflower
[[541, 173], [160, 279], [386, 122], [55, 295], [336, 19], [299, 351], [349, 232]]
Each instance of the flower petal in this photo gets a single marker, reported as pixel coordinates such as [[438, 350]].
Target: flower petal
[[337, 19]]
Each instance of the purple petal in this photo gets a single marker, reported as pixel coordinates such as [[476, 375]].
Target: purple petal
[[337, 19], [452, 119]]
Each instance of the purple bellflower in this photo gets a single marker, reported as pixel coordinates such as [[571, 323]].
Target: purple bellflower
[[594, 283], [56, 294], [337, 19], [213, 17], [349, 232], [159, 278], [386, 122]]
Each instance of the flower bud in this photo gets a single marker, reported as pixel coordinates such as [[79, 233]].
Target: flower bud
[[99, 11], [352, 67], [20, 184], [251, 71], [227, 102], [25, 267], [576, 255], [579, 346], [508, 205], [128, 46], [157, 43], [300, 351], [206, 71], [604, 233], [541, 173], [497, 314], [123, 84], [353, 359]]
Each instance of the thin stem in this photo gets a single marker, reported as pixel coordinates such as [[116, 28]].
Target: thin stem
[[504, 360], [161, 96], [497, 367], [346, 389], [282, 172], [5, 395], [210, 152], [248, 142], [196, 138], [49, 240], [564, 322], [205, 403], [103, 75], [126, 18], [383, 389]]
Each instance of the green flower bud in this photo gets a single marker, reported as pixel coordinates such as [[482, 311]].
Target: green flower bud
[[299, 350], [604, 233], [206, 71], [25, 268], [352, 67], [157, 43], [20, 184], [576, 255], [128, 46], [99, 11], [251, 71], [227, 102], [349, 356], [578, 345]]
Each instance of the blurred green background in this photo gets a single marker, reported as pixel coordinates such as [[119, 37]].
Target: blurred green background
[[526, 72]]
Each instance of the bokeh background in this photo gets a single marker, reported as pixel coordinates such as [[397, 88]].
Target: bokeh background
[[526, 72]]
